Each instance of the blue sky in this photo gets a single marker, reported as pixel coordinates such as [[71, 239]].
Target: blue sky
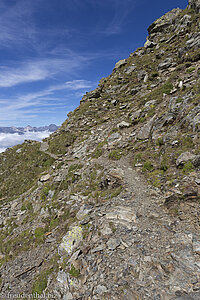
[[53, 51]]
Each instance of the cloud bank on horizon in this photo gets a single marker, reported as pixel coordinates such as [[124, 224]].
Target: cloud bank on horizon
[[52, 52], [9, 140]]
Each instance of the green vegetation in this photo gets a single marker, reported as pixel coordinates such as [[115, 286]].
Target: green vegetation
[[191, 69], [41, 283], [158, 92], [21, 167], [155, 178], [153, 75], [112, 227], [115, 154], [167, 87], [15, 245], [98, 151], [164, 165], [147, 166], [151, 112], [44, 193], [188, 167], [74, 272], [71, 177], [39, 233], [41, 280], [59, 143], [160, 142], [192, 56], [74, 167], [27, 206], [186, 143], [12, 246], [179, 100], [116, 192], [54, 222], [86, 230], [137, 158]]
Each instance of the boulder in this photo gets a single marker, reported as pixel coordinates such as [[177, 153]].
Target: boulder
[[93, 94], [194, 118], [168, 119], [196, 161], [120, 63], [185, 157], [134, 91], [84, 211], [194, 4], [165, 21], [114, 102], [149, 44], [135, 116], [182, 51], [113, 243], [45, 178], [123, 124], [139, 53], [171, 200], [141, 75], [186, 21], [160, 54], [71, 240], [194, 41], [113, 137], [43, 146], [145, 131], [100, 289], [167, 63], [122, 215], [130, 69], [190, 193]]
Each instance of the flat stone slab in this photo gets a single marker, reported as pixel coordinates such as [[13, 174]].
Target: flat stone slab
[[122, 215]]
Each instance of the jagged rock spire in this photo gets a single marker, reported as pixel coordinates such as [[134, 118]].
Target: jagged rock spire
[[195, 4]]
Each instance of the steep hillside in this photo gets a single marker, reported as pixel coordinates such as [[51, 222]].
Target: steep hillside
[[108, 206]]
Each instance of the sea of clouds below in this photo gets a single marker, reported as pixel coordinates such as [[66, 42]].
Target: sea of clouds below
[[9, 140]]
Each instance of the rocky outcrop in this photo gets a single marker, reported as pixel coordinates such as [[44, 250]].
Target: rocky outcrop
[[194, 4], [164, 22]]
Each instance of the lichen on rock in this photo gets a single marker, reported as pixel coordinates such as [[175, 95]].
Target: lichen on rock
[[71, 240]]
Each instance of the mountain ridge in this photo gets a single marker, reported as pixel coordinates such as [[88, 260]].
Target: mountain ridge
[[22, 130], [107, 207]]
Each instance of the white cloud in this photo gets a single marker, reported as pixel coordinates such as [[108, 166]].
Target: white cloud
[[38, 70], [12, 76], [55, 58], [16, 22], [78, 84], [26, 100], [28, 106], [9, 140]]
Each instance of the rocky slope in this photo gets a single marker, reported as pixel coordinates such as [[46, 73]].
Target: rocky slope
[[108, 206]]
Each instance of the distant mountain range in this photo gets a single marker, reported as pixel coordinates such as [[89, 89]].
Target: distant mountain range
[[23, 130]]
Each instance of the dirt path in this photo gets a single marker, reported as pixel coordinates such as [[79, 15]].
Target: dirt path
[[157, 255]]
